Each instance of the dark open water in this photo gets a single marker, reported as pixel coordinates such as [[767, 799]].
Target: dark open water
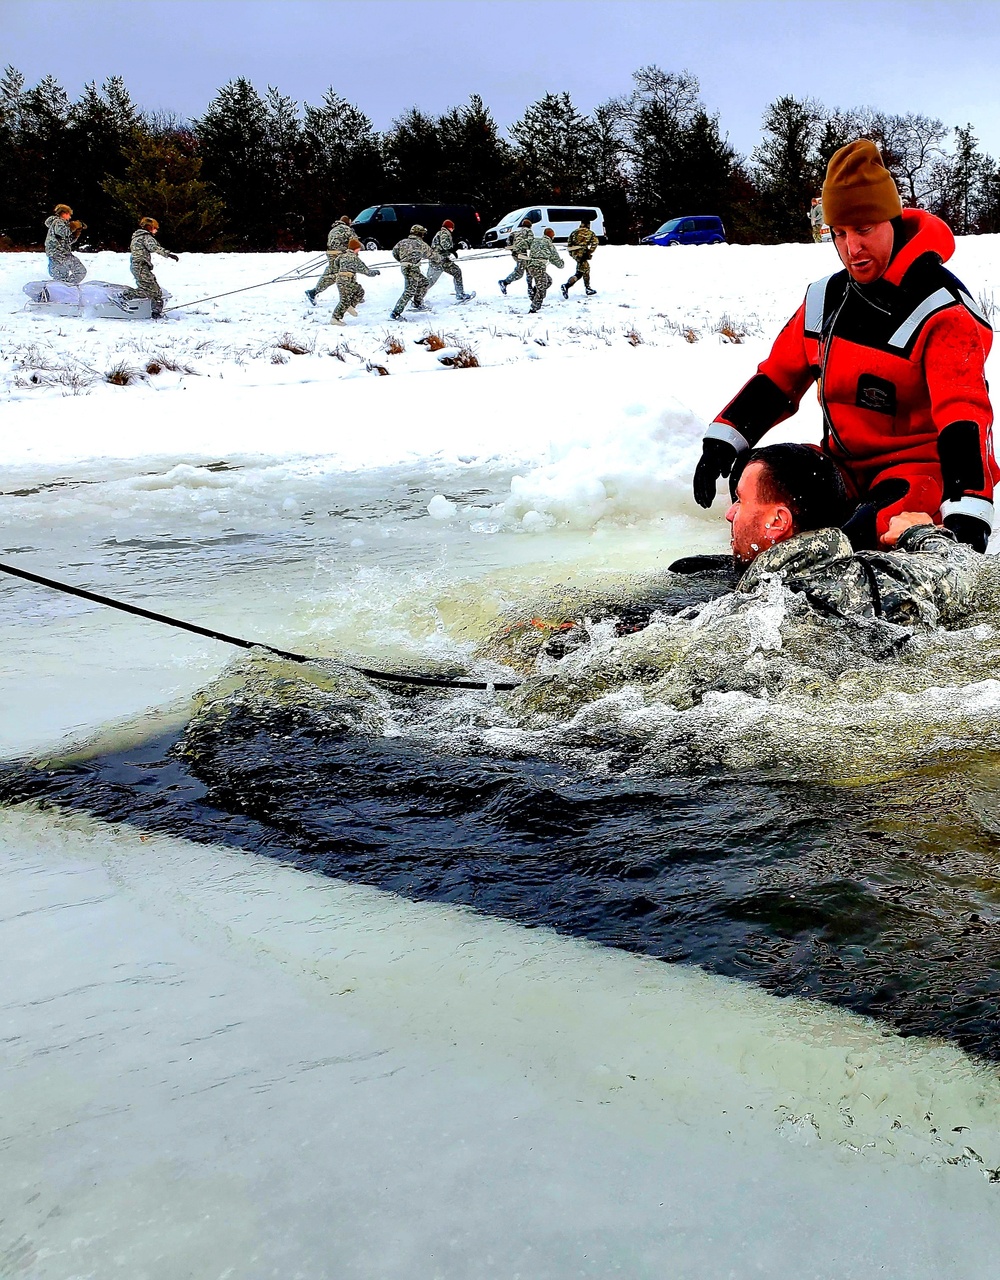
[[882, 898]]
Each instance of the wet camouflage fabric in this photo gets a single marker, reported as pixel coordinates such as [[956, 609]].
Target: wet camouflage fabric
[[927, 581], [541, 251], [581, 245], [409, 253], [519, 248], [346, 266], [64, 265]]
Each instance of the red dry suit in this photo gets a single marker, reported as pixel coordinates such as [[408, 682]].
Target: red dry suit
[[906, 411]]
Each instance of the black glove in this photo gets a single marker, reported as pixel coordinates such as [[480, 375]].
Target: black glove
[[717, 458], [376, 272], [174, 256], [974, 533]]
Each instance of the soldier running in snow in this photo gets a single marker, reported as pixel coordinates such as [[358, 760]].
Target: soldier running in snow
[[346, 267], [520, 241], [581, 245], [337, 241], [60, 236], [541, 251], [142, 247], [444, 244], [409, 253]]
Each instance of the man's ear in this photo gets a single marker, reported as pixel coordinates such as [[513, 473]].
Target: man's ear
[[781, 524]]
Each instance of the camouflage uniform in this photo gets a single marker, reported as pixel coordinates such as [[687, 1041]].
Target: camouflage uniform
[[519, 249], [409, 253], [444, 243], [346, 266], [64, 265], [337, 241], [581, 245], [142, 247], [541, 251], [927, 581]]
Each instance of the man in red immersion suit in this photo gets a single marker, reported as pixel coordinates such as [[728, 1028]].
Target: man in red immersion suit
[[898, 347]]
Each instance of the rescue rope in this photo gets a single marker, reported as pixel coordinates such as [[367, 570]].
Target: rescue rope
[[307, 269], [393, 677]]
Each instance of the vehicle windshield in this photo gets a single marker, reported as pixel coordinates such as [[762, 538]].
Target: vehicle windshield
[[366, 214], [672, 225]]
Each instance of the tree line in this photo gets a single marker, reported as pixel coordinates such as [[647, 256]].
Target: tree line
[[258, 171]]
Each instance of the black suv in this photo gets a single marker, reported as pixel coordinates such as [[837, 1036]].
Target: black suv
[[382, 226]]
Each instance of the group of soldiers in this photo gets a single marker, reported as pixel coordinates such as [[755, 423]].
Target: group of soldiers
[[531, 253], [344, 265], [63, 231]]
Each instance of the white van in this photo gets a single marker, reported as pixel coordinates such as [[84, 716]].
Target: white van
[[561, 218]]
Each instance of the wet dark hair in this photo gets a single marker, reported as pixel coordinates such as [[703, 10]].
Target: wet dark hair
[[804, 479]]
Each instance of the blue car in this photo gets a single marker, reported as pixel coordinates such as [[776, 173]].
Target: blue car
[[700, 230]]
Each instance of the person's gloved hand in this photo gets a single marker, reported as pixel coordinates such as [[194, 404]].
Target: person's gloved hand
[[174, 256], [717, 458], [377, 272], [974, 533]]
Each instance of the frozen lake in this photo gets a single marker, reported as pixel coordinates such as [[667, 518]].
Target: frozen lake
[[308, 976]]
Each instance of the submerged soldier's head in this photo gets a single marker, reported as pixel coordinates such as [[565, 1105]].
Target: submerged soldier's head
[[862, 208], [782, 490], [63, 211], [150, 225], [418, 230]]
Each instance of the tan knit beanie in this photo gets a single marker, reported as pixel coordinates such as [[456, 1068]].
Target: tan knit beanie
[[859, 188]]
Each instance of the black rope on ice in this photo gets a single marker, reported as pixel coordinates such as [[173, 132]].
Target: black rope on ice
[[394, 677]]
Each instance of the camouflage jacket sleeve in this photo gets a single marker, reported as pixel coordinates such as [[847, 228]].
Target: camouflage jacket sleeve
[[151, 245], [443, 242], [928, 579], [553, 253], [350, 262], [339, 237]]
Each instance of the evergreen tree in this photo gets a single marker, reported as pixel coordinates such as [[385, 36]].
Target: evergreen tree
[[788, 166], [235, 137], [343, 170], [163, 181], [414, 157], [556, 149], [477, 166], [965, 184], [105, 129]]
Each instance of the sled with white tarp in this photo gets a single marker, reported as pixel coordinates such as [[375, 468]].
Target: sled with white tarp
[[98, 298]]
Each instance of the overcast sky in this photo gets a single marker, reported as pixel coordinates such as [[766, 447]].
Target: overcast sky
[[932, 56]]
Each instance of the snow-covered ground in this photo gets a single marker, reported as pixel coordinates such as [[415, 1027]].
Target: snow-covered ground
[[185, 1021]]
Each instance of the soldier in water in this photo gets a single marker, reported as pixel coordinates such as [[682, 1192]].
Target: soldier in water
[[409, 253], [541, 251], [337, 241], [444, 244], [61, 235], [581, 245], [347, 267], [142, 247], [519, 244]]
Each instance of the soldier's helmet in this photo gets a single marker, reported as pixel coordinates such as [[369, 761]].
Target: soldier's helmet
[[418, 230]]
